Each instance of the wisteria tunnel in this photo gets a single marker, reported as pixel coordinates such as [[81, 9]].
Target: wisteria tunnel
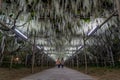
[[35, 33]]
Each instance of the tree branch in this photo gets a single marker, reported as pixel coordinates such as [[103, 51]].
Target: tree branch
[[17, 17]]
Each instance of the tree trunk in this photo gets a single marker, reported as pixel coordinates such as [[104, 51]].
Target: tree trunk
[[11, 61], [33, 60], [2, 51], [112, 57], [85, 62], [42, 61], [85, 56], [77, 62], [104, 63], [33, 56], [96, 61], [72, 63], [118, 7], [0, 4], [26, 60], [47, 61]]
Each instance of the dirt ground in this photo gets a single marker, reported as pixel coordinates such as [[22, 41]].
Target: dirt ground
[[98, 73], [103, 73], [16, 74], [107, 74]]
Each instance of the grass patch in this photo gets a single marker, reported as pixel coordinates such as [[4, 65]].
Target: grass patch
[[17, 74]]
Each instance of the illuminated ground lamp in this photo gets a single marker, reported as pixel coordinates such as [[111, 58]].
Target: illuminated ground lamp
[[93, 31], [20, 34], [16, 59]]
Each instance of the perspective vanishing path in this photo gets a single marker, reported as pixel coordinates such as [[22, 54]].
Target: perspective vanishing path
[[59, 74]]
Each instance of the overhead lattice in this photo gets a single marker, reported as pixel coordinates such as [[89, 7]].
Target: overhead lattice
[[58, 24]]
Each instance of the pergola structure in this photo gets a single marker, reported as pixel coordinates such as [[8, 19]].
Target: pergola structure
[[58, 28]]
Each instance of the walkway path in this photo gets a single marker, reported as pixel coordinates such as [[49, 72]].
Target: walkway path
[[59, 74]]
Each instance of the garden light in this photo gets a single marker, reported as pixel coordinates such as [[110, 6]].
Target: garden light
[[93, 31], [20, 34]]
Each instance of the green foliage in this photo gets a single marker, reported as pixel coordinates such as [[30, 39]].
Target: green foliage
[[87, 20], [18, 66], [6, 61], [8, 1], [1, 12], [117, 64], [27, 1], [32, 14]]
